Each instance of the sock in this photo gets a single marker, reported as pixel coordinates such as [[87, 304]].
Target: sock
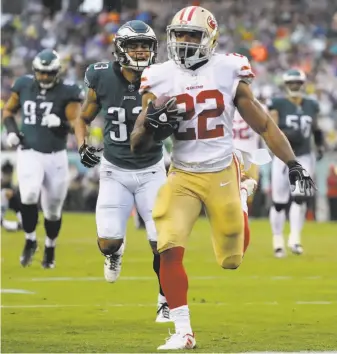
[[246, 232], [173, 277], [277, 220], [120, 250], [30, 215], [156, 268], [52, 229], [296, 220], [161, 299], [181, 318]]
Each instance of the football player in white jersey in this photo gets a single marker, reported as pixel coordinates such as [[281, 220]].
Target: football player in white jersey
[[208, 87]]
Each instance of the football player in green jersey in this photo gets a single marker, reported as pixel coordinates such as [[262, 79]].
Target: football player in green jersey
[[48, 106], [125, 179], [296, 115]]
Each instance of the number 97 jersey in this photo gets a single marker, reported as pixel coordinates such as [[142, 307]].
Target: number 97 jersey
[[203, 141]]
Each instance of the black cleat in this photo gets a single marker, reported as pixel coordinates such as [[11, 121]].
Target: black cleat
[[48, 258], [28, 253]]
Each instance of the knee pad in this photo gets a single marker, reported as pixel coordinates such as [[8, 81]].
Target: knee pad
[[52, 228], [29, 217], [298, 199], [231, 262], [109, 247], [30, 198], [279, 207], [54, 210]]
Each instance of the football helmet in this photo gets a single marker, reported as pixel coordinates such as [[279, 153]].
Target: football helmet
[[294, 80], [192, 19], [133, 32], [47, 68]]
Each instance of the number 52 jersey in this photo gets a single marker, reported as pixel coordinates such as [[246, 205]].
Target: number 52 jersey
[[203, 141]]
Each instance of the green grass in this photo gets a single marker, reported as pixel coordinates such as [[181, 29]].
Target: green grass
[[266, 305]]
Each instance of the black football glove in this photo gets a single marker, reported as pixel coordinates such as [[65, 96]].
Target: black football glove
[[298, 173], [163, 117], [88, 155]]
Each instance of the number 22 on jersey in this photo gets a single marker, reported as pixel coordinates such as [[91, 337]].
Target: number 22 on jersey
[[201, 131]]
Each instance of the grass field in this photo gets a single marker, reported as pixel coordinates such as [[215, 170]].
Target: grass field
[[267, 305]]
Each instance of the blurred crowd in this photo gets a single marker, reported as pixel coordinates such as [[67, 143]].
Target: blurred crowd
[[275, 35]]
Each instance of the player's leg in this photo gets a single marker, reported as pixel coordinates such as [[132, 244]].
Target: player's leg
[[113, 208], [15, 205], [297, 210], [54, 192], [280, 197], [224, 210], [30, 177], [7, 195], [145, 196], [176, 209]]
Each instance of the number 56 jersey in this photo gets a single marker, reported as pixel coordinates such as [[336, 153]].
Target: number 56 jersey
[[203, 141]]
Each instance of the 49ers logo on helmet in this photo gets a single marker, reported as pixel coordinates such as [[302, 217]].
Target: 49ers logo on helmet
[[212, 22]]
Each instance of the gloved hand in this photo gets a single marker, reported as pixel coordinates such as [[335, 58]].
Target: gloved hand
[[52, 120], [88, 155], [13, 140], [298, 173]]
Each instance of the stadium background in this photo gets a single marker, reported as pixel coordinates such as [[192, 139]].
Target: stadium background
[[275, 35]]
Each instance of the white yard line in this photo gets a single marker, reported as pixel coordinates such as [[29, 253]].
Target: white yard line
[[153, 305], [152, 278], [15, 291]]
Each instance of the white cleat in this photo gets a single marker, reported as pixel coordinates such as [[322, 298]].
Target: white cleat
[[279, 253], [113, 266], [179, 341], [249, 185], [296, 249], [163, 313]]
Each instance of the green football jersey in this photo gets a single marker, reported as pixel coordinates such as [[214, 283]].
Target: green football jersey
[[36, 103], [296, 121], [121, 104]]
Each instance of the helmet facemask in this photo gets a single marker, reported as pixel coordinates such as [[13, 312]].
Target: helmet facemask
[[294, 88], [46, 79], [188, 54], [128, 54]]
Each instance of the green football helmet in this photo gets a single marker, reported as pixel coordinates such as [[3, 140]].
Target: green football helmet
[[294, 80], [47, 68]]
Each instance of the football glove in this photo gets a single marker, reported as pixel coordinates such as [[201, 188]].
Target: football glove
[[298, 174], [52, 120], [88, 155], [164, 117], [12, 140]]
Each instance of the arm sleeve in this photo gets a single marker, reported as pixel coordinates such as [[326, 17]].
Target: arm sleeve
[[152, 81], [244, 70]]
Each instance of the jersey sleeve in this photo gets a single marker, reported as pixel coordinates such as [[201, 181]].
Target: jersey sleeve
[[271, 104], [153, 81], [244, 71], [19, 84], [90, 77]]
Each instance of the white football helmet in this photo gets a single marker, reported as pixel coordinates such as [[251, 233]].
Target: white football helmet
[[192, 19], [294, 80]]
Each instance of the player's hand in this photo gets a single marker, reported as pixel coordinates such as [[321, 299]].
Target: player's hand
[[88, 155], [13, 139], [52, 120], [298, 174], [165, 116]]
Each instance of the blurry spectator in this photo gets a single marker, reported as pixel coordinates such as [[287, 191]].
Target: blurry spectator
[[332, 192]]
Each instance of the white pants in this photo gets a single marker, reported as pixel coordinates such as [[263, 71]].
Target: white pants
[[45, 174], [280, 178], [119, 190]]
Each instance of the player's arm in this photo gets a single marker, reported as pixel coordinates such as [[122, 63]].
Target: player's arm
[[141, 138], [85, 115], [11, 107], [318, 136], [254, 114]]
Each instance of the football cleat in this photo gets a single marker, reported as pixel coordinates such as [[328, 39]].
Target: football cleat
[[179, 341], [113, 266], [163, 313], [296, 249], [48, 261], [28, 253], [279, 252]]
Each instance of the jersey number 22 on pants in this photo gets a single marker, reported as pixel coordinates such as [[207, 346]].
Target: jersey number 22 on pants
[[201, 130]]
